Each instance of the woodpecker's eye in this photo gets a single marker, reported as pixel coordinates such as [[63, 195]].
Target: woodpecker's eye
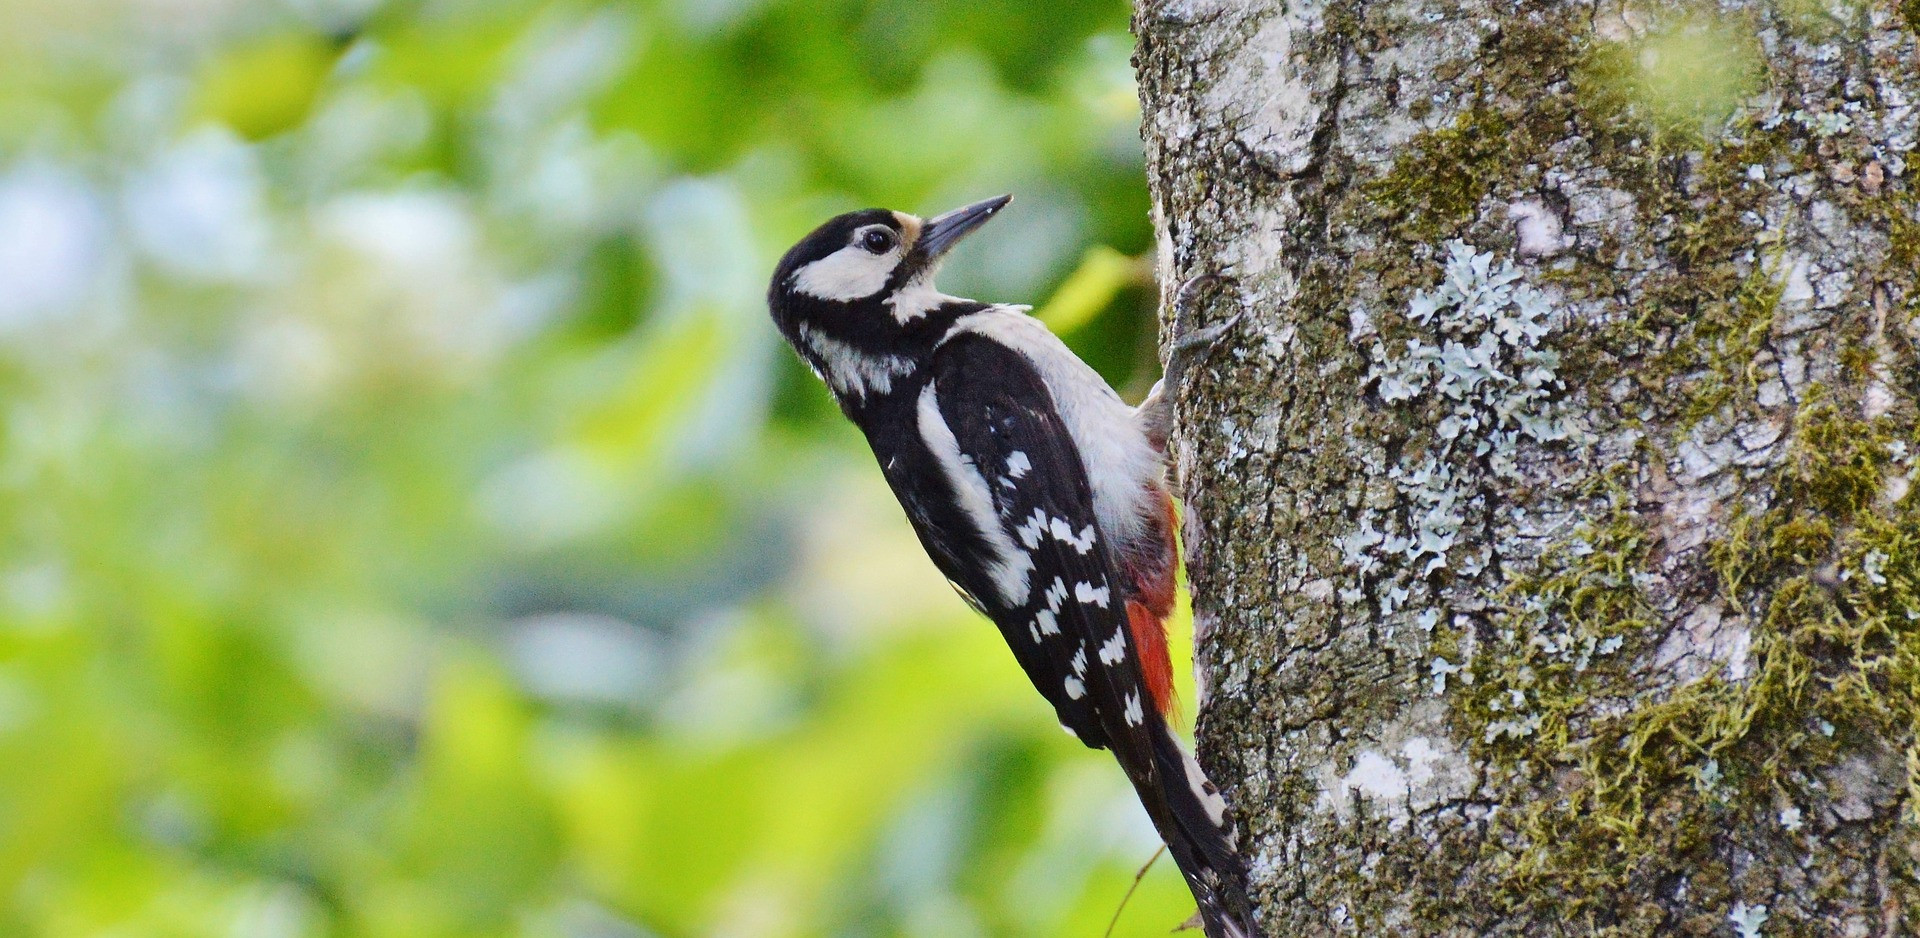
[[877, 240]]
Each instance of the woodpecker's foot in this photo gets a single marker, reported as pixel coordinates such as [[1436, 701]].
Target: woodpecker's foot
[[1198, 345], [1188, 347]]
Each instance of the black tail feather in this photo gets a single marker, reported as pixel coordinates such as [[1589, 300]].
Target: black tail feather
[[1191, 817]]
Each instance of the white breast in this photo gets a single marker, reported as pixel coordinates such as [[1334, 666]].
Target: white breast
[[1121, 464]]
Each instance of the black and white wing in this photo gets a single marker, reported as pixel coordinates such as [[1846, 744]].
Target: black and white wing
[[988, 420], [1042, 573]]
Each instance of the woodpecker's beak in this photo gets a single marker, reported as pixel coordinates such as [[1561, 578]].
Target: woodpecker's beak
[[944, 231]]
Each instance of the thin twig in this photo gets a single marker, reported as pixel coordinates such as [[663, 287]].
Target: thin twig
[[1137, 877]]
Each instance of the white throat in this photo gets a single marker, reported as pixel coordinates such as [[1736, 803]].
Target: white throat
[[918, 298]]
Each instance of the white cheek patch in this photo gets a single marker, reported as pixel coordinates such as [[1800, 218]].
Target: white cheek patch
[[851, 273]]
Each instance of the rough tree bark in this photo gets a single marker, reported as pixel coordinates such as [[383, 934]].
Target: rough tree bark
[[1553, 525]]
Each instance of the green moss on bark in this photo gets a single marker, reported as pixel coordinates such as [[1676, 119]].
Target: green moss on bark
[[1828, 577], [1436, 189]]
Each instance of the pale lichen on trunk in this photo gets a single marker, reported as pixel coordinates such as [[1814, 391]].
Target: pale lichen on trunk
[[1553, 525]]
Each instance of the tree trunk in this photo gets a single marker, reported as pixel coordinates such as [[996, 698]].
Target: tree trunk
[[1553, 526]]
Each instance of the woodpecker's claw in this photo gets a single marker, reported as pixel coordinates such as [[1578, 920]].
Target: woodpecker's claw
[[1189, 292], [1200, 342]]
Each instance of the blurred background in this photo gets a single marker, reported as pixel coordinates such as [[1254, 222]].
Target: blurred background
[[410, 524]]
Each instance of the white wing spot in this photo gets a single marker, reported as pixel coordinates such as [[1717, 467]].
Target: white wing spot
[[1030, 530], [1084, 592], [1135, 715], [1035, 629], [1047, 623], [1075, 691], [1017, 465], [1063, 532], [1056, 594], [1080, 661], [1115, 649]]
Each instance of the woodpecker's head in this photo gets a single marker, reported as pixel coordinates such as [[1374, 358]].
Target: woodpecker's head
[[862, 281]]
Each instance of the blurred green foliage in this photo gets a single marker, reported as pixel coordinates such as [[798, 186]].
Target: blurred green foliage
[[1685, 72], [410, 525]]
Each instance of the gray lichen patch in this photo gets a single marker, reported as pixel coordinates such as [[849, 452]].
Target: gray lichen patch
[[1407, 767], [1476, 377]]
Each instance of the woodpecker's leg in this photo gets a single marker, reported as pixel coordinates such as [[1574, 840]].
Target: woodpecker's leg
[[1189, 347]]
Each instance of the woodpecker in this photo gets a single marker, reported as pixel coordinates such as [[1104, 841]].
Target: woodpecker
[[1033, 487]]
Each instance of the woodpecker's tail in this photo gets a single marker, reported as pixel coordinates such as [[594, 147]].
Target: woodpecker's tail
[[1192, 818]]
